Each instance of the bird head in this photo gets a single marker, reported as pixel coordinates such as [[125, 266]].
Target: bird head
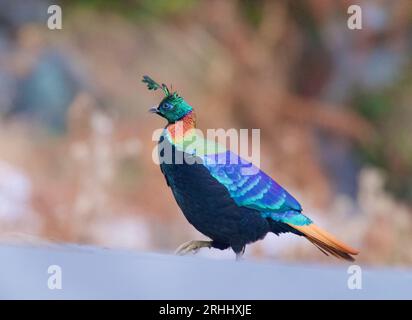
[[172, 107]]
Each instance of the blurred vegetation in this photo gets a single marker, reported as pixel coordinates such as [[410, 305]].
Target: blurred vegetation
[[333, 106], [136, 9], [391, 149]]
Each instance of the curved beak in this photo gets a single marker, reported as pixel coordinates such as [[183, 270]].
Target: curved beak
[[154, 109]]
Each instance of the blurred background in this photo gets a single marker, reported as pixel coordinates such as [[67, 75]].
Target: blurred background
[[334, 107]]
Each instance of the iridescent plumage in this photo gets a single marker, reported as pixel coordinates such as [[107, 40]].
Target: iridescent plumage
[[218, 197], [255, 191]]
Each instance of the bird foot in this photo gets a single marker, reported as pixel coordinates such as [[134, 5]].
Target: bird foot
[[240, 254], [192, 246]]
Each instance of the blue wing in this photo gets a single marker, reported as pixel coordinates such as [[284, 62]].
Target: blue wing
[[251, 187]]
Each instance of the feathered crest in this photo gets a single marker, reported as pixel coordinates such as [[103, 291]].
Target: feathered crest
[[153, 85]]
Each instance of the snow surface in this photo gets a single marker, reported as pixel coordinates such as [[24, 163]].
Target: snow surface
[[96, 273]]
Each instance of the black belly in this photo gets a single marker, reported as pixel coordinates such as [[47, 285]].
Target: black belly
[[208, 206]]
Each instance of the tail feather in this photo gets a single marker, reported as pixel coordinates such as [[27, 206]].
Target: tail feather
[[326, 242]]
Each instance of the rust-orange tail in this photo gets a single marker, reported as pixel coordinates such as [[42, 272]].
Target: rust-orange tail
[[326, 242]]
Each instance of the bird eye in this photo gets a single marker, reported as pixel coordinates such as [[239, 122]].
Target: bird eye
[[167, 106]]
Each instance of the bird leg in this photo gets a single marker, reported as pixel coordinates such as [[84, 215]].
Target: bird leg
[[193, 246], [240, 254]]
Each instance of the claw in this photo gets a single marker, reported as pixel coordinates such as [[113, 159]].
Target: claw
[[193, 246], [240, 254]]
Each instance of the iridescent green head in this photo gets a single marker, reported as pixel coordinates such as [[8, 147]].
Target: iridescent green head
[[172, 107]]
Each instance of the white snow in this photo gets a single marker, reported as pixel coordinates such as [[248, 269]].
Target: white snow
[[94, 273]]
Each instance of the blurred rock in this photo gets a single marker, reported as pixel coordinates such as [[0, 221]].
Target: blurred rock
[[15, 13], [45, 95]]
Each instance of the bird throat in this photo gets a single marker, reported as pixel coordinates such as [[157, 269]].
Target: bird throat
[[185, 137], [182, 129]]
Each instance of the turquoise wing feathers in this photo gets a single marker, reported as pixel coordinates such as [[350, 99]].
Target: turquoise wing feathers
[[251, 187]]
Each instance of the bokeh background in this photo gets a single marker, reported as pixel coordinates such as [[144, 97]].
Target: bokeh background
[[334, 107]]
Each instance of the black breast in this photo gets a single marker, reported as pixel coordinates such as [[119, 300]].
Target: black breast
[[208, 206]]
